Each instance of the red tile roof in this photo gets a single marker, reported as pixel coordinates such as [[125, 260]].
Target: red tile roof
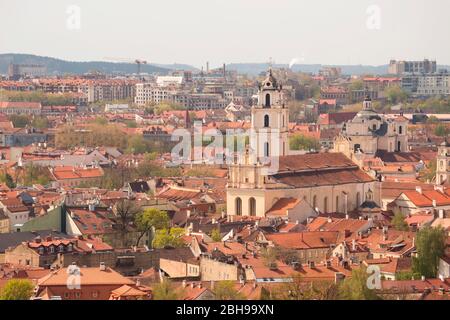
[[281, 207], [304, 240]]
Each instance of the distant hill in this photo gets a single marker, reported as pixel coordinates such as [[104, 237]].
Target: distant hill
[[257, 68], [58, 66]]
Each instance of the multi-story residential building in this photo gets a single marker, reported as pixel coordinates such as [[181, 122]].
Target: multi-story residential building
[[402, 67], [19, 108], [434, 84], [149, 93], [16, 71], [427, 84]]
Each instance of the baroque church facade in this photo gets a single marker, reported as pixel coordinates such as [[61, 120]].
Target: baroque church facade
[[268, 174], [369, 133]]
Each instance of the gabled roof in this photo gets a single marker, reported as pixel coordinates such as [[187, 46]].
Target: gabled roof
[[13, 239], [281, 207], [427, 197], [304, 240], [88, 277]]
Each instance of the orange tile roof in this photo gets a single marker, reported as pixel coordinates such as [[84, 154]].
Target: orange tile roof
[[70, 172], [89, 277], [426, 197], [281, 207], [304, 240]]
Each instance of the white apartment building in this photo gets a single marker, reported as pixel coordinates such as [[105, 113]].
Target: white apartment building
[[149, 93], [432, 84]]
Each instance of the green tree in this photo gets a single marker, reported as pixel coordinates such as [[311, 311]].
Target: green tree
[[430, 246], [399, 223], [126, 211], [406, 275], [149, 220], [441, 130], [357, 85], [17, 289], [215, 235], [137, 144], [395, 94], [165, 290], [101, 121], [225, 290], [169, 238], [35, 175], [40, 123], [19, 121], [355, 287], [301, 142], [8, 180], [265, 294], [270, 256], [298, 289]]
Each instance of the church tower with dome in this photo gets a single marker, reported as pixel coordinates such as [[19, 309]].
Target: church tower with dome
[[370, 133], [270, 120]]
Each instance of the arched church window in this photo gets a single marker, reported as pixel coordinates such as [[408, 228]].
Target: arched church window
[[314, 202], [358, 199], [400, 130], [325, 205], [266, 149], [252, 206], [267, 104], [238, 206], [399, 145], [266, 121], [337, 203]]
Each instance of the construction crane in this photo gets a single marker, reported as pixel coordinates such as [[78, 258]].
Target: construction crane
[[138, 62]]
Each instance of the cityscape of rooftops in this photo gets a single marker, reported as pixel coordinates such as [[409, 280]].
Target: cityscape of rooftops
[[229, 151]]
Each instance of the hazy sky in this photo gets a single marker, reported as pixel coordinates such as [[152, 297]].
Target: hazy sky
[[196, 31]]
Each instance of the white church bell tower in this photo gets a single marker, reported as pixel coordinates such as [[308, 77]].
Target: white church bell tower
[[270, 120]]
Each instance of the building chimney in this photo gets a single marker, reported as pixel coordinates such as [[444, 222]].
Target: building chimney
[[347, 216], [102, 266], [434, 203], [184, 283], [419, 189], [353, 245]]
